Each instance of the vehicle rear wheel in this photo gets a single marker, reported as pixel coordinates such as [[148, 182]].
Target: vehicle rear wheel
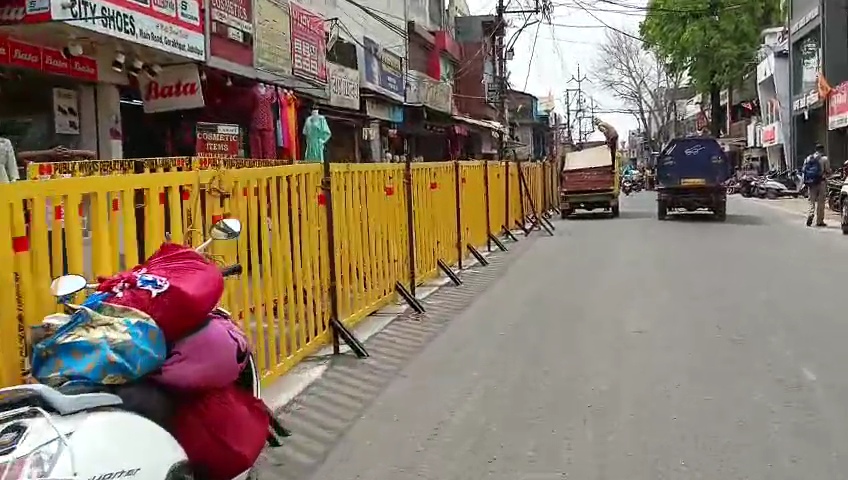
[[565, 213], [616, 211], [662, 210], [771, 194], [721, 213], [844, 216]]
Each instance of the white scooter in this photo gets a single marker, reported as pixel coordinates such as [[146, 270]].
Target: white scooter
[[83, 432]]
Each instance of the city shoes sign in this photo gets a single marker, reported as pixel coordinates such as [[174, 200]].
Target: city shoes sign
[[172, 26]]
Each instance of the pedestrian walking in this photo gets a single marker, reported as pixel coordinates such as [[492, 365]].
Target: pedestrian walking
[[816, 169]]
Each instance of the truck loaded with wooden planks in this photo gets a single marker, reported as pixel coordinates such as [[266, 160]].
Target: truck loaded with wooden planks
[[589, 181]]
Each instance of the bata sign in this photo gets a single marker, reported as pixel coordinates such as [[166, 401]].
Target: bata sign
[[176, 88], [837, 107], [172, 27]]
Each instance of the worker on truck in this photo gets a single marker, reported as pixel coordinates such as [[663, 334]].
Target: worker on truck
[[610, 134]]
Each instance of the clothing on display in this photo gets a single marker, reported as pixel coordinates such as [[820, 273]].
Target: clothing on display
[[317, 133], [287, 124], [262, 139]]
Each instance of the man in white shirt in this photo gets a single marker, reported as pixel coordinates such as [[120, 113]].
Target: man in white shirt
[[610, 134]]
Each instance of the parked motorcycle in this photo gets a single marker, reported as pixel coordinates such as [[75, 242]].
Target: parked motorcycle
[[626, 187], [82, 432], [746, 186]]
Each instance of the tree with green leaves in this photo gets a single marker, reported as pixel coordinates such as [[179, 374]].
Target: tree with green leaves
[[714, 41]]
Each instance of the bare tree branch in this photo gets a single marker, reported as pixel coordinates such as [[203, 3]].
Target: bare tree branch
[[640, 80]]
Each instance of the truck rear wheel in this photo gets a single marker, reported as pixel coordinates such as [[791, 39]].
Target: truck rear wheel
[[721, 213], [662, 210], [615, 211], [565, 213]]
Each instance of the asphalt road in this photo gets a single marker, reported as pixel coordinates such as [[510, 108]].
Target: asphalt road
[[631, 349]]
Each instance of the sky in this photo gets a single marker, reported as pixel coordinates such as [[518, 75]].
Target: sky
[[570, 41]]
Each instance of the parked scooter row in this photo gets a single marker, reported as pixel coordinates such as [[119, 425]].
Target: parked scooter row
[[85, 430], [787, 183], [630, 185]]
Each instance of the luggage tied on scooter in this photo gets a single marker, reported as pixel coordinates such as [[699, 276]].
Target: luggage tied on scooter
[[210, 358], [222, 431], [101, 344], [176, 286]]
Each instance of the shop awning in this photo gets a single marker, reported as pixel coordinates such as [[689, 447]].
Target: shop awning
[[488, 124]]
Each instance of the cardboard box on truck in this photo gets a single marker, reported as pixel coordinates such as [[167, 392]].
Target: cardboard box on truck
[[588, 170]]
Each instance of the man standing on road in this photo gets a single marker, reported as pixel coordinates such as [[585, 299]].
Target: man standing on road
[[610, 134], [816, 169]]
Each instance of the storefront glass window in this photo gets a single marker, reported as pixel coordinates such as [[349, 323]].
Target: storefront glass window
[[807, 61], [27, 111]]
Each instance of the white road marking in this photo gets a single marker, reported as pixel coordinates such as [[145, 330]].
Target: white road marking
[[810, 375]]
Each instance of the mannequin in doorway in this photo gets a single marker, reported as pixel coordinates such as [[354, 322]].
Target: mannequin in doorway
[[317, 134], [263, 141]]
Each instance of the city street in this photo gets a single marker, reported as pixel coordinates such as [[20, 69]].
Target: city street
[[629, 349]]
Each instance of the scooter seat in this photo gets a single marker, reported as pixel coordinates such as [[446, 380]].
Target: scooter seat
[[54, 400]]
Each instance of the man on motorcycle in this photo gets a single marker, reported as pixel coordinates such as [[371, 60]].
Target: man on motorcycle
[[816, 169]]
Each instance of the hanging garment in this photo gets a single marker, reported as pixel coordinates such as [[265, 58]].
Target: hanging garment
[[263, 144], [317, 133], [263, 102], [294, 143]]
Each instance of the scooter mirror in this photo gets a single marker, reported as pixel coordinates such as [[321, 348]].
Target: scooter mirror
[[225, 229], [67, 285]]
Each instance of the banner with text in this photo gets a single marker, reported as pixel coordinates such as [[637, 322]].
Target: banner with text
[[167, 25], [309, 44], [219, 140], [272, 47]]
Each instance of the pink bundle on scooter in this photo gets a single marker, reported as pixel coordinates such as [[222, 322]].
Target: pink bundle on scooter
[[211, 358], [176, 286]]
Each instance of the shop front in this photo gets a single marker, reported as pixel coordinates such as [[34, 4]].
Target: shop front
[[809, 119], [429, 122], [837, 122], [382, 84], [109, 46], [46, 101], [341, 109], [772, 142]]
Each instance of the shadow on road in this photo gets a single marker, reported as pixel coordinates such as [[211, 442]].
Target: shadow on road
[[590, 216], [704, 217], [637, 214]]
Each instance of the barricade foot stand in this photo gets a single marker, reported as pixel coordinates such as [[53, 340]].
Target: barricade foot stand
[[340, 331], [409, 298], [523, 226], [479, 256], [546, 214], [547, 222], [448, 271], [508, 233], [498, 243]]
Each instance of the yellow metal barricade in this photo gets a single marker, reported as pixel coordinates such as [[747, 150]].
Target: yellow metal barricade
[[434, 204], [109, 219], [473, 204]]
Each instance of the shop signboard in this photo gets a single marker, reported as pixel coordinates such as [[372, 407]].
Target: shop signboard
[[343, 86], [66, 118], [231, 30], [383, 72], [837, 107], [771, 135], [384, 111], [272, 46], [427, 91], [175, 88], [218, 140], [309, 44], [438, 96], [48, 60], [172, 26]]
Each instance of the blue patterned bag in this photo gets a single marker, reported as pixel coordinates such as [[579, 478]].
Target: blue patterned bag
[[101, 344]]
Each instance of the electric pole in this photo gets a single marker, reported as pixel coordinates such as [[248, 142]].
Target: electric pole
[[580, 101], [543, 6]]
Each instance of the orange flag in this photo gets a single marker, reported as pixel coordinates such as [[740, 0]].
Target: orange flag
[[823, 87]]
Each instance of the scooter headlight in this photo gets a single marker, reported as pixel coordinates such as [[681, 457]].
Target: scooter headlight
[[37, 464]]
